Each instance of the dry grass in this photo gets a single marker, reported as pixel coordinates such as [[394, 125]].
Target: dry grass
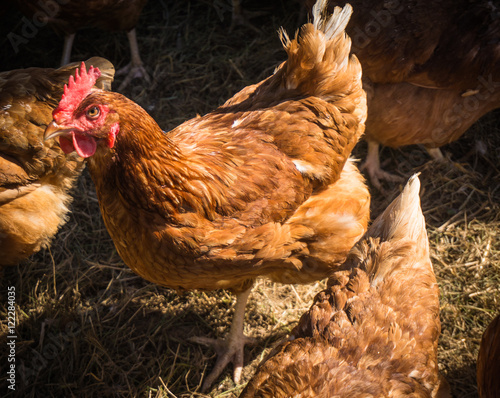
[[88, 327]]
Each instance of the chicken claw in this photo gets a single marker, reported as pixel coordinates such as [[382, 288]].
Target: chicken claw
[[135, 69], [231, 348], [132, 72], [372, 166]]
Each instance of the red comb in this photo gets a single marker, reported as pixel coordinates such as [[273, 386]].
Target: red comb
[[76, 90]]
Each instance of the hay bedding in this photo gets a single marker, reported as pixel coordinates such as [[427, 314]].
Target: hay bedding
[[89, 327]]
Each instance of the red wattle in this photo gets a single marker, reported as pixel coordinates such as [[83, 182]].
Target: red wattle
[[84, 145]]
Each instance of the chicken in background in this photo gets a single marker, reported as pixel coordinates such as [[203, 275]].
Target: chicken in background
[[488, 361], [67, 17], [35, 175], [373, 332], [431, 69], [261, 186]]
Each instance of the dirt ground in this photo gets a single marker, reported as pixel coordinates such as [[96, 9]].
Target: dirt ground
[[89, 327]]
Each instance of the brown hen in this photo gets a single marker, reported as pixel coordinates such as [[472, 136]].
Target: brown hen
[[35, 175], [430, 69], [67, 17], [261, 186], [488, 361], [374, 331]]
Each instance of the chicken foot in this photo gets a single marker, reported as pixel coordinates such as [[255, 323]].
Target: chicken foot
[[375, 171], [231, 348], [135, 69], [372, 166]]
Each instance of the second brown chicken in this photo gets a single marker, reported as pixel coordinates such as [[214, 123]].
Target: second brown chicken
[[430, 70]]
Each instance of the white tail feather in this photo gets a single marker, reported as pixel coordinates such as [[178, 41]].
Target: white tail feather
[[336, 23]]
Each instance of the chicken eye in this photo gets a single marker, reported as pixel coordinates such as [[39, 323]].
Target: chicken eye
[[93, 112]]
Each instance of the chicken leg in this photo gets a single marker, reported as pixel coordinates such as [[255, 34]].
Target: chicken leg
[[135, 69], [68, 45], [372, 166], [435, 153], [231, 348]]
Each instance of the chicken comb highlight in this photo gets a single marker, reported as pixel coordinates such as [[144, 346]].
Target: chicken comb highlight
[[76, 90]]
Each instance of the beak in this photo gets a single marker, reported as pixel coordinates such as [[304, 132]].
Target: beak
[[54, 130]]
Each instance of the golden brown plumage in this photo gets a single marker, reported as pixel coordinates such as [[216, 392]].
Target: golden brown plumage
[[373, 332], [67, 17], [261, 186], [35, 176], [488, 361], [430, 69]]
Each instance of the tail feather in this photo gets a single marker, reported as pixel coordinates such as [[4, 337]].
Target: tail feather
[[403, 218], [394, 253], [319, 60], [333, 25]]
